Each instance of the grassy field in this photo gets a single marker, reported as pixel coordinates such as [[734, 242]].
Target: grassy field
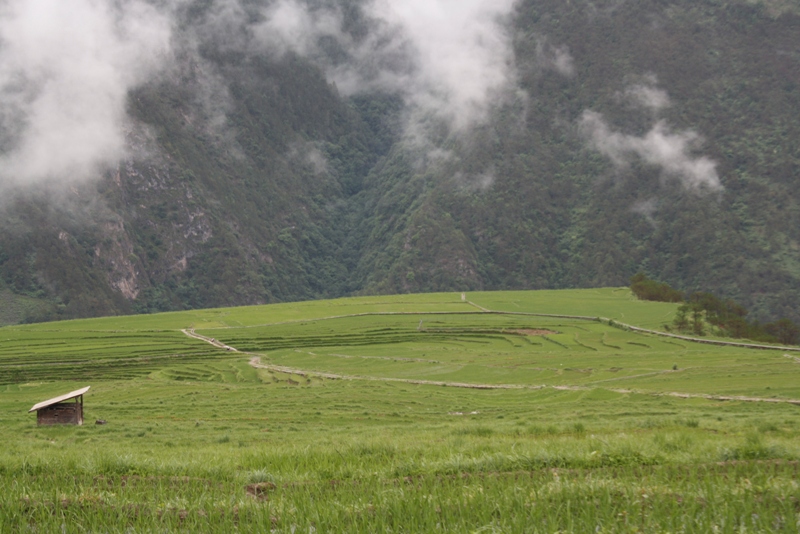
[[399, 414]]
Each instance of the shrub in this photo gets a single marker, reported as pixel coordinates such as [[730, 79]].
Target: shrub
[[647, 289]]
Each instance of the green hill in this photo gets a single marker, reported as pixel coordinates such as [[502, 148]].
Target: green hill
[[501, 411]]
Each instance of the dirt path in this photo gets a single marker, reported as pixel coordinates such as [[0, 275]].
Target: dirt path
[[796, 402], [481, 308], [255, 361], [220, 345], [705, 341]]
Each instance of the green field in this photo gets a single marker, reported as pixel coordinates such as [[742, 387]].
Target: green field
[[496, 413]]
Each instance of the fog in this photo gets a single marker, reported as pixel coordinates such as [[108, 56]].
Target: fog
[[65, 72], [674, 152], [448, 59], [66, 69]]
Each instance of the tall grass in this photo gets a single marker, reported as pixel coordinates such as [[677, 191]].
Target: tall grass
[[731, 497]]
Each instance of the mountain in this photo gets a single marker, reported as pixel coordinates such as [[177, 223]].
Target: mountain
[[606, 138]]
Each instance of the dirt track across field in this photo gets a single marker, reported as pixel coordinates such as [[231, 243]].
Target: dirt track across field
[[255, 361], [191, 333]]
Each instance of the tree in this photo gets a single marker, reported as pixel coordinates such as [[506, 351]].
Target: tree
[[681, 322], [697, 319], [648, 289], [785, 331]]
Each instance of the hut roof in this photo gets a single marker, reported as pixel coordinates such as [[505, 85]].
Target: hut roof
[[62, 398]]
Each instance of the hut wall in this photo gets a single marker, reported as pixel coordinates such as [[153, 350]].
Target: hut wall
[[61, 414]]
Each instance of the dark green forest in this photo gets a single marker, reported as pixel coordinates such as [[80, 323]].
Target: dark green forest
[[304, 193]]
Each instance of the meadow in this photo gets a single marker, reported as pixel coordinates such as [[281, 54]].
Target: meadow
[[501, 412]]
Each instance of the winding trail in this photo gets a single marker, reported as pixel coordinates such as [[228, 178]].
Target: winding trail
[[255, 362], [219, 344], [701, 340]]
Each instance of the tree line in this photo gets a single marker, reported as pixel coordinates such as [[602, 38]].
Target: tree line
[[699, 310]]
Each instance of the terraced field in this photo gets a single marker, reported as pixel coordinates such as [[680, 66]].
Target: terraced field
[[496, 349], [490, 412]]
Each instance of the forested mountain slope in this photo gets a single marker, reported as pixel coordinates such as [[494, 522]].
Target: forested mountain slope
[[560, 213], [625, 136]]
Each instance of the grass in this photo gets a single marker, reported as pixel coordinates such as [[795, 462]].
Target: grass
[[586, 440], [16, 308]]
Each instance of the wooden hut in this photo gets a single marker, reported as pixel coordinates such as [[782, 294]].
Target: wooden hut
[[58, 411]]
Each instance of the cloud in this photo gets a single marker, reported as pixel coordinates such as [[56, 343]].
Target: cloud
[[66, 68], [556, 58], [65, 72], [223, 27], [307, 154], [289, 25], [448, 59], [646, 208], [463, 56], [647, 94], [668, 150]]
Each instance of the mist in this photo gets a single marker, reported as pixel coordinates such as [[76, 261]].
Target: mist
[[66, 69], [671, 151], [449, 59], [647, 95], [556, 58]]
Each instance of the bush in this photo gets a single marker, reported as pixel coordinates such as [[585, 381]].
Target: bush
[[646, 289]]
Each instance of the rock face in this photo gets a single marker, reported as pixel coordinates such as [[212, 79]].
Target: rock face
[[115, 254], [636, 137]]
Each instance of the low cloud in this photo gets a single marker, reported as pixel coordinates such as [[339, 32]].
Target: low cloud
[[647, 95], [290, 25], [556, 58], [223, 27], [448, 59], [66, 69], [673, 152], [647, 209], [65, 72], [462, 54], [307, 154]]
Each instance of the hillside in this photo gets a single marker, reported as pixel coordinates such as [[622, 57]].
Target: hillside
[[625, 137], [448, 412]]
